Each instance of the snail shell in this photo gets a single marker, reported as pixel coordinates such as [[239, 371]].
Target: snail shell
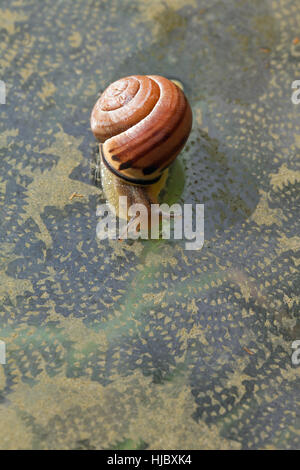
[[142, 123]]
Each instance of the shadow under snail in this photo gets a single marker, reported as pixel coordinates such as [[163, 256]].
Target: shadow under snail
[[142, 123]]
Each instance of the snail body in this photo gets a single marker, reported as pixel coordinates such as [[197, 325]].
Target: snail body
[[114, 187], [142, 124]]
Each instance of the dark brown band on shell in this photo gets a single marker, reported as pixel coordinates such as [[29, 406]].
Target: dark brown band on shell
[[120, 175]]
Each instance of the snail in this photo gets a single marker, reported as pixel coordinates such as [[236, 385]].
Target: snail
[[142, 123]]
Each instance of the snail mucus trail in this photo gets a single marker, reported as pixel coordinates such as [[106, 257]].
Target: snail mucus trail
[[142, 123]]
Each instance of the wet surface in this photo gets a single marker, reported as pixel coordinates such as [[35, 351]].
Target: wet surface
[[145, 344]]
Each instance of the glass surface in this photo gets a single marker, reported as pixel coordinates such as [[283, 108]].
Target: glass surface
[[144, 344]]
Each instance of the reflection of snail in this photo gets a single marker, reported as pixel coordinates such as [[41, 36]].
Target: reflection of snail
[[142, 123]]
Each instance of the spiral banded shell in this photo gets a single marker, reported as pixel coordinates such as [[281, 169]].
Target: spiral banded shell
[[142, 123]]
